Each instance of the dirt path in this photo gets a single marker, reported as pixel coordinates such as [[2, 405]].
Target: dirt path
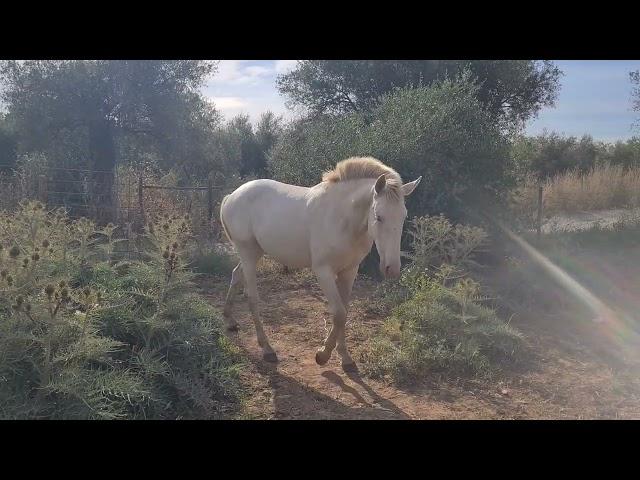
[[564, 381]]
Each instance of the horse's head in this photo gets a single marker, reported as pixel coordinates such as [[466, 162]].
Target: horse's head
[[386, 220]]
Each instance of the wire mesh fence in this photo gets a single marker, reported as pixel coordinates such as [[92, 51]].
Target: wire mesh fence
[[127, 200]]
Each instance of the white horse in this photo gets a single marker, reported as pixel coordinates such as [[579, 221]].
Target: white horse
[[329, 227]]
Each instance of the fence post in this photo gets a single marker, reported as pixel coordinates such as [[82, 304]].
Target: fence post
[[141, 200], [42, 189], [210, 199], [539, 223]]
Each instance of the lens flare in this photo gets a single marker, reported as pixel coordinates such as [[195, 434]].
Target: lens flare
[[615, 326]]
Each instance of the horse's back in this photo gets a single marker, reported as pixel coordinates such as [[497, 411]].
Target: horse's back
[[273, 215]]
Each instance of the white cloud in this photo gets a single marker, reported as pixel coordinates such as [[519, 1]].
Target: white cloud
[[229, 103], [285, 66], [231, 106], [257, 71], [235, 72]]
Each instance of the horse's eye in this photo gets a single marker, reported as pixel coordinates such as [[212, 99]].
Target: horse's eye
[[378, 218]]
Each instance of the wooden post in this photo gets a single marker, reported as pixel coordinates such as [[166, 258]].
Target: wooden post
[[539, 225], [141, 200], [42, 189], [210, 199]]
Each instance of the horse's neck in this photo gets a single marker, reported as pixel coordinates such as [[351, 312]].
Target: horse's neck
[[358, 195]]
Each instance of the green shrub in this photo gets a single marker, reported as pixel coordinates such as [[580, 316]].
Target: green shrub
[[310, 147], [438, 321], [441, 132], [441, 329], [83, 336], [211, 261]]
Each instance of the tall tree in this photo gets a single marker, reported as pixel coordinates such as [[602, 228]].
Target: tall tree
[[93, 113], [268, 130], [512, 90], [252, 145], [241, 133]]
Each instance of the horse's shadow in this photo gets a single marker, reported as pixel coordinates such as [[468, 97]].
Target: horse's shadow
[[294, 400], [355, 377]]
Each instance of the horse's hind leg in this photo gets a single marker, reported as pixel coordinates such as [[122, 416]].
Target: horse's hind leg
[[250, 256], [236, 282]]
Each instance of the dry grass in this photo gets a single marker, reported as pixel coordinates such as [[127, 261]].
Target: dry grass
[[604, 187]]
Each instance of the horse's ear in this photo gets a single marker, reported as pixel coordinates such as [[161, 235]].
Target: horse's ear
[[380, 183], [408, 188]]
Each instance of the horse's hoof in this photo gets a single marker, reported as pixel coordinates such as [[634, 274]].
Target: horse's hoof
[[321, 357], [350, 367], [232, 328], [270, 357]]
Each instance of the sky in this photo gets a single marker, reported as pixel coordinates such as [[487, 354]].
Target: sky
[[247, 86], [594, 98]]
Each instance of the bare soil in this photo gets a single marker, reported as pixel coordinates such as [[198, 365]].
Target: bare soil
[[567, 377]]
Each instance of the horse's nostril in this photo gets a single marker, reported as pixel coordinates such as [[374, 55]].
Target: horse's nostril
[[387, 270]]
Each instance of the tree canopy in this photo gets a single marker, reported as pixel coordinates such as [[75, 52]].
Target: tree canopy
[[550, 154], [441, 132], [94, 113], [513, 91]]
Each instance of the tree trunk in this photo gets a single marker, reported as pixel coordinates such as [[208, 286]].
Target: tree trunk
[[102, 149]]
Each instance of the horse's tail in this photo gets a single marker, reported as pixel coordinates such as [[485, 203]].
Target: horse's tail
[[224, 226]]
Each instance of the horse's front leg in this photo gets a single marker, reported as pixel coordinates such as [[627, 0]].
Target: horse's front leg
[[345, 285], [327, 280]]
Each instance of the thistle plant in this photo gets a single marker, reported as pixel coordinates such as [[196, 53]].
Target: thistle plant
[[84, 230], [435, 241], [170, 237], [107, 247], [81, 337]]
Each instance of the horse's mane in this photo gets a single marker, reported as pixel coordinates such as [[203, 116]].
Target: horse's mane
[[356, 168]]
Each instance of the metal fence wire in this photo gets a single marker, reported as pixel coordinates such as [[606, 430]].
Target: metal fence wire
[[128, 201]]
